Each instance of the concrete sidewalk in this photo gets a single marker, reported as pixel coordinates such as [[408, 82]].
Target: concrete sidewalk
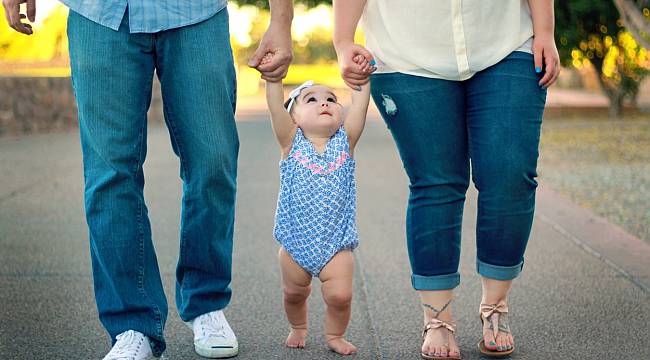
[[576, 299]]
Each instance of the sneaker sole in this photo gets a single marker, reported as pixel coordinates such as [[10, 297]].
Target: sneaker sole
[[214, 353]]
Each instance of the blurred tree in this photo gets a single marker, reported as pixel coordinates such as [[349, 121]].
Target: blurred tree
[[312, 45], [634, 14], [50, 41], [591, 33]]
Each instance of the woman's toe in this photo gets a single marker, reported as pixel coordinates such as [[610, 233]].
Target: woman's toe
[[443, 352], [429, 350], [506, 343], [500, 343], [489, 342]]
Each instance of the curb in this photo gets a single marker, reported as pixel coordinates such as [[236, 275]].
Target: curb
[[623, 252]]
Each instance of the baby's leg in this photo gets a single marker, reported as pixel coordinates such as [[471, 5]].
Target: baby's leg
[[296, 286], [336, 277]]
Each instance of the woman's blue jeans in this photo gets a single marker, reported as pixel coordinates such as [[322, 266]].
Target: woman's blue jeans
[[112, 74], [490, 122]]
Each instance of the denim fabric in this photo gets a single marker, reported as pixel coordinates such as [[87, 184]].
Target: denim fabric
[[112, 77], [146, 16], [491, 123]]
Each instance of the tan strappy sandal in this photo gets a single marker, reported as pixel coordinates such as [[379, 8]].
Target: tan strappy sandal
[[497, 316], [436, 323]]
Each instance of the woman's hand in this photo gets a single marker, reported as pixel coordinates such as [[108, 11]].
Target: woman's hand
[[546, 59], [356, 63]]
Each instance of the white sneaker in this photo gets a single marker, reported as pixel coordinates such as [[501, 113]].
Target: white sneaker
[[213, 337], [130, 345]]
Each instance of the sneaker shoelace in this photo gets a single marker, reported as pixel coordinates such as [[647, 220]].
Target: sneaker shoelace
[[127, 346], [211, 326]]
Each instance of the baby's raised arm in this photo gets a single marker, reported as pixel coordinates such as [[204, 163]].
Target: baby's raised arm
[[356, 117], [283, 126]]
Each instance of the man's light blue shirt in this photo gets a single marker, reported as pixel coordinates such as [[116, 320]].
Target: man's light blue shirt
[[147, 16]]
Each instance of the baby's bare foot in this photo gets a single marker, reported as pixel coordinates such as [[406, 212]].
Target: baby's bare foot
[[296, 338], [339, 345]]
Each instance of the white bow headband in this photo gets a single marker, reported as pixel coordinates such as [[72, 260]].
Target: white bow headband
[[295, 92]]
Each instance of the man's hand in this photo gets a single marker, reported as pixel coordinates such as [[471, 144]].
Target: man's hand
[[277, 42], [14, 17]]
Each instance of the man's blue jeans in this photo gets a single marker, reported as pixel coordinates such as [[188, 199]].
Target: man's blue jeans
[[491, 121], [112, 75]]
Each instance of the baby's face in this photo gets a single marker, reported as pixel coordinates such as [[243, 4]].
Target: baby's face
[[317, 110]]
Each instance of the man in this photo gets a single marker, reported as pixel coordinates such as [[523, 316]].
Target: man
[[114, 50]]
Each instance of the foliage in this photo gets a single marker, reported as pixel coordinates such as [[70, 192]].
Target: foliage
[[591, 33], [313, 45], [634, 14], [312, 31]]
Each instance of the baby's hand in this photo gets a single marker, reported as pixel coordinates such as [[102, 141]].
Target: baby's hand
[[267, 58], [363, 64], [351, 70]]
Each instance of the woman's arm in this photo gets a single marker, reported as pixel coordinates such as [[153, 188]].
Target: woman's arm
[[544, 49], [283, 126], [356, 117], [346, 17]]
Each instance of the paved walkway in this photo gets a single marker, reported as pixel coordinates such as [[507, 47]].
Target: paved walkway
[[576, 299]]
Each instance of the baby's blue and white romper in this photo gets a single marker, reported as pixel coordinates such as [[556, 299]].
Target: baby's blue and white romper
[[315, 218]]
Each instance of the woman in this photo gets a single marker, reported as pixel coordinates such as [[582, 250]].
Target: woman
[[459, 84]]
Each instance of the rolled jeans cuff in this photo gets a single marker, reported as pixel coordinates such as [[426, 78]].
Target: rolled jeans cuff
[[497, 272], [435, 282]]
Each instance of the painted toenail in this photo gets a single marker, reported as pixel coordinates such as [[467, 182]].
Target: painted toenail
[[492, 343]]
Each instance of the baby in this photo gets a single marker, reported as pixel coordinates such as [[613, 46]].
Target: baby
[[315, 218]]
